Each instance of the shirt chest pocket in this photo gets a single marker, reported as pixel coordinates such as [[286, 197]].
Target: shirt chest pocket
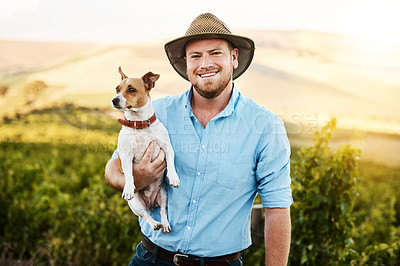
[[235, 171]]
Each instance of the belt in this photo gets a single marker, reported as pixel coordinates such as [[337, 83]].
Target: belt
[[189, 260]]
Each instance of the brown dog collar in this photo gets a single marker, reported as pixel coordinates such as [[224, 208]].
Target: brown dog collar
[[138, 124]]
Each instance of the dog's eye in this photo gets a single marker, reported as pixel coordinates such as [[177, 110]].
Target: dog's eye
[[131, 90], [117, 89]]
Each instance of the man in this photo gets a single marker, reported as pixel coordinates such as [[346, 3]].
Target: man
[[227, 150]]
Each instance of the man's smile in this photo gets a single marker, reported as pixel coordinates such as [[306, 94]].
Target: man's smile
[[208, 75]]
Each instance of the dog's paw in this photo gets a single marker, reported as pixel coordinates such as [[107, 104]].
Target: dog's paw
[[173, 180], [127, 193], [157, 226], [166, 228]]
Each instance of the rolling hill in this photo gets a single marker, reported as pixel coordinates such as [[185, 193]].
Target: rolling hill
[[303, 76]]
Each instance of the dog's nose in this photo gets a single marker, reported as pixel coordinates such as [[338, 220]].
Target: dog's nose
[[115, 101]]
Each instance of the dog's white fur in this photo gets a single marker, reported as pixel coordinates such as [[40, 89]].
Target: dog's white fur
[[132, 143]]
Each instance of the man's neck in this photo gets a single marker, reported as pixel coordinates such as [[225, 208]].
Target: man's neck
[[205, 109]]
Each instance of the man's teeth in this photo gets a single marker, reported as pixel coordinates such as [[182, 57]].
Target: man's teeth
[[207, 75]]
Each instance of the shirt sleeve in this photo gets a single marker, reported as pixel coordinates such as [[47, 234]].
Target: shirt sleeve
[[273, 167], [115, 154]]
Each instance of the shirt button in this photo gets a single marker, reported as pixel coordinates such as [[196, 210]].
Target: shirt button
[[203, 146], [188, 228], [198, 173], [194, 201]]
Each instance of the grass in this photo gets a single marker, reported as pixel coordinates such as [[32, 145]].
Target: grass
[[63, 124]]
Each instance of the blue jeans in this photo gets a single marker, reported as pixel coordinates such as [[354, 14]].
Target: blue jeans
[[144, 257]]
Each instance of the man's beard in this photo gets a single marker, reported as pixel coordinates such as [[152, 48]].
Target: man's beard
[[215, 91]]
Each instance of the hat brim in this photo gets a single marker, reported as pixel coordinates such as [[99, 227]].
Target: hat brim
[[175, 51]]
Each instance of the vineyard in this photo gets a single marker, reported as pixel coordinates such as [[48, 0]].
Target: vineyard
[[57, 209]]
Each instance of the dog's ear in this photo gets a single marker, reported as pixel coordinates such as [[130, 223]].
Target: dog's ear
[[150, 80], [123, 76]]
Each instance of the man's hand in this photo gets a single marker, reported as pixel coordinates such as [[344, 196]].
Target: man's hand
[[144, 173], [147, 171]]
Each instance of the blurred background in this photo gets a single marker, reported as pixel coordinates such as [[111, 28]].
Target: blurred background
[[314, 60]]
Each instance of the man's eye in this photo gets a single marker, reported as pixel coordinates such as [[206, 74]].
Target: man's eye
[[195, 56], [216, 53], [131, 90]]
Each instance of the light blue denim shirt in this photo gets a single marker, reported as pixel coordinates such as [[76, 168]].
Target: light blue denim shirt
[[244, 150]]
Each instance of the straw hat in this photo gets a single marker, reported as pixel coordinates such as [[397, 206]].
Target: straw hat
[[208, 26]]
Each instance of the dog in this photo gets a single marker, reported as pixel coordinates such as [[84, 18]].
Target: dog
[[139, 128]]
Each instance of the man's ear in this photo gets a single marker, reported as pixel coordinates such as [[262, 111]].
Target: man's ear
[[235, 58], [150, 80]]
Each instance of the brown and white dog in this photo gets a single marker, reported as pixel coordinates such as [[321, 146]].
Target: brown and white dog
[[139, 128]]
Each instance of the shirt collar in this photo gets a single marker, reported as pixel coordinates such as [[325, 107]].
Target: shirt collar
[[226, 112], [231, 104], [188, 105]]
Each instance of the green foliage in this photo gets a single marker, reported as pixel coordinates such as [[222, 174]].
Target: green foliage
[[381, 254], [378, 219], [255, 256], [324, 189], [55, 206]]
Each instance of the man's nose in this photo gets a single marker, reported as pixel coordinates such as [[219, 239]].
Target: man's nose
[[206, 62]]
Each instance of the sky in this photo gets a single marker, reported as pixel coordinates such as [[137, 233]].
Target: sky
[[126, 21]]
